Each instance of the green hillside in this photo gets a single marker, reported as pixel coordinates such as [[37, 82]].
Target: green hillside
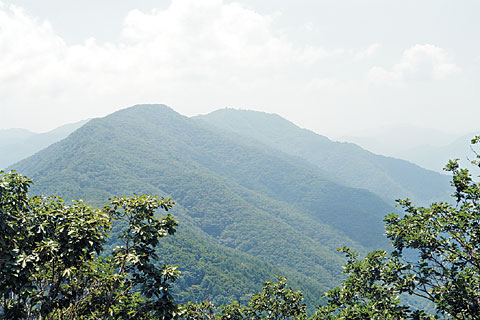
[[235, 202], [351, 165]]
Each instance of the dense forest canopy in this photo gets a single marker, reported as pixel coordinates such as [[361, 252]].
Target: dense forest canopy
[[52, 267]]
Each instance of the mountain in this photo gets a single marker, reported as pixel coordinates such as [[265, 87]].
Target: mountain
[[394, 140], [244, 209], [435, 157], [431, 149], [17, 144], [349, 164], [8, 136]]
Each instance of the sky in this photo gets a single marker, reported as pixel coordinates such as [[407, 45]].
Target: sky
[[332, 66]]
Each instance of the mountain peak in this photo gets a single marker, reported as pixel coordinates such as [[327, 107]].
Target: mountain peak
[[140, 116], [144, 108], [14, 134]]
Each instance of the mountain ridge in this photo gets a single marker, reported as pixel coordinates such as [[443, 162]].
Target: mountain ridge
[[353, 166], [153, 149]]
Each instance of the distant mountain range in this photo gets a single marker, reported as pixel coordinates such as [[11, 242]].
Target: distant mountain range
[[391, 140], [256, 195], [435, 157], [428, 148], [17, 144]]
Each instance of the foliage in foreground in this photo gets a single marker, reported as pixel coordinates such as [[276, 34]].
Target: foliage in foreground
[[275, 301], [50, 263]]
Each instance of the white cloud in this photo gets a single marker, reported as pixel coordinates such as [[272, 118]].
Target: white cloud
[[190, 46], [322, 84], [366, 52], [26, 45], [419, 63], [200, 55], [309, 26]]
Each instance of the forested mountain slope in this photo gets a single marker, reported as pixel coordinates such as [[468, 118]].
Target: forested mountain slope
[[387, 177], [263, 207], [17, 144]]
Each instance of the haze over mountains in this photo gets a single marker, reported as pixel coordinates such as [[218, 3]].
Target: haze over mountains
[[17, 144], [428, 148], [392, 140], [435, 157], [256, 195]]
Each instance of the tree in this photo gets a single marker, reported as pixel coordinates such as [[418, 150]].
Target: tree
[[435, 257], [51, 263], [276, 301]]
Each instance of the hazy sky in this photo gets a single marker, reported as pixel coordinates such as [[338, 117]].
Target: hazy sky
[[332, 66]]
